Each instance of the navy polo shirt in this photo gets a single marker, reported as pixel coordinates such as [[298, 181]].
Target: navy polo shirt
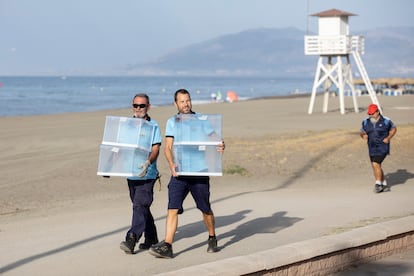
[[376, 134]]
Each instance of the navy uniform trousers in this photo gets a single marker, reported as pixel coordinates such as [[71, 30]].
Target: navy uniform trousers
[[141, 193]]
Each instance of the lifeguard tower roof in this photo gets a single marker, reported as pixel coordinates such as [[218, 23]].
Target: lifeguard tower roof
[[333, 13]]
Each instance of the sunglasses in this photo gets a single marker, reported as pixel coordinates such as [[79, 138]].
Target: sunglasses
[[139, 105]]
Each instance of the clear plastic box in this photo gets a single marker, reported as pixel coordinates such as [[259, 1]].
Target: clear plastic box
[[195, 144], [130, 132], [126, 145], [120, 160]]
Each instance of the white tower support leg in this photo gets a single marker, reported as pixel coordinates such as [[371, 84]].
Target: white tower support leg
[[327, 85], [350, 82], [315, 85], [366, 79], [341, 85]]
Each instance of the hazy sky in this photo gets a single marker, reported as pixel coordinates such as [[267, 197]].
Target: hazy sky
[[78, 36]]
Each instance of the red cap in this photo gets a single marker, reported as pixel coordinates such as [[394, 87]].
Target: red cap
[[372, 108]]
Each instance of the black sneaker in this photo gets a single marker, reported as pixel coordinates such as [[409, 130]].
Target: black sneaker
[[378, 188], [147, 244], [212, 245], [161, 250], [129, 244]]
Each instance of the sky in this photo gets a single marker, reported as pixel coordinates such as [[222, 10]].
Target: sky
[[73, 37]]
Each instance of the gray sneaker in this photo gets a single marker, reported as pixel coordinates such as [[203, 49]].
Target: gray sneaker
[[161, 250], [378, 188], [385, 188], [212, 245]]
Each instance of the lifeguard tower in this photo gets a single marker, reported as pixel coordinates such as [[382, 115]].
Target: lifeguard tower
[[334, 44]]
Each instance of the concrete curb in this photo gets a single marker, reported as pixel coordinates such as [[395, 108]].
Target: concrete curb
[[319, 256]]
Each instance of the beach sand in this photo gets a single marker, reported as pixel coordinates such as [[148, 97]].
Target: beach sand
[[288, 176]]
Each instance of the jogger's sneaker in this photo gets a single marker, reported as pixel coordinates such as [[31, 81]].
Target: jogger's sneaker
[[212, 245], [129, 244], [161, 250], [385, 187], [147, 244], [378, 188]]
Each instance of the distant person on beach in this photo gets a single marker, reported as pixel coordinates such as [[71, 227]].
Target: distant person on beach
[[378, 131], [180, 186], [213, 97], [141, 187]]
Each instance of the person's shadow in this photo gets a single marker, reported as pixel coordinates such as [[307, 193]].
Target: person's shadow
[[271, 224], [193, 229], [398, 177]]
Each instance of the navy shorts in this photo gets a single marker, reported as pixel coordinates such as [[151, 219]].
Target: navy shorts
[[198, 186], [377, 158]]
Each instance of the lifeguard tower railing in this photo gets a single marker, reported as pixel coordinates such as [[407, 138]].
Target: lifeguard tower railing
[[334, 45]]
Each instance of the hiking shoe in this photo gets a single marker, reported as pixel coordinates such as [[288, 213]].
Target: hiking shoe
[[212, 245], [378, 188], [147, 244], [129, 244], [161, 250]]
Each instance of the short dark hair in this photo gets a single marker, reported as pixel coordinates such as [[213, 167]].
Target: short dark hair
[[181, 91], [141, 95]]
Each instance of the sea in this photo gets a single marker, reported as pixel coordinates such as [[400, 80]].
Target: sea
[[30, 95]]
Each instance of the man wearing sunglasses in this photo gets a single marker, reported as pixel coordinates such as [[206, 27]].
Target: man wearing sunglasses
[[141, 187], [378, 131]]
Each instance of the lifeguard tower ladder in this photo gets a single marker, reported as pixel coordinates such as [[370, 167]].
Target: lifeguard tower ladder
[[334, 42]]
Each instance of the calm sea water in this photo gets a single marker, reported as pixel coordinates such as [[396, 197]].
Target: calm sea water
[[21, 96]]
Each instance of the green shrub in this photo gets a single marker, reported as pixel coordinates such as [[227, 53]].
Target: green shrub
[[235, 169]]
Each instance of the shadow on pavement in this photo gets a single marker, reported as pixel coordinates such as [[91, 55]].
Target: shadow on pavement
[[398, 177], [271, 224]]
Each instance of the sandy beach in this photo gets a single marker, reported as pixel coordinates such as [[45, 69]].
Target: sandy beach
[[288, 176]]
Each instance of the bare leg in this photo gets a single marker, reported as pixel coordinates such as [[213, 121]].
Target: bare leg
[[171, 225], [378, 173], [210, 223]]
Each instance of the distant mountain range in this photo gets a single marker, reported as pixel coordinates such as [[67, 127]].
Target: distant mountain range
[[389, 52]]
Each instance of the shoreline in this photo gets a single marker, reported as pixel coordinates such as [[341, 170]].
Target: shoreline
[[195, 103], [206, 102]]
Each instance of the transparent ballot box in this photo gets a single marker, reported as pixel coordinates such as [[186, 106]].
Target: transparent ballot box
[[195, 144], [132, 132], [121, 161], [126, 144]]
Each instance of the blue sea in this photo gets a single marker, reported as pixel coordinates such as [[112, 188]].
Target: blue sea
[[22, 96]]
